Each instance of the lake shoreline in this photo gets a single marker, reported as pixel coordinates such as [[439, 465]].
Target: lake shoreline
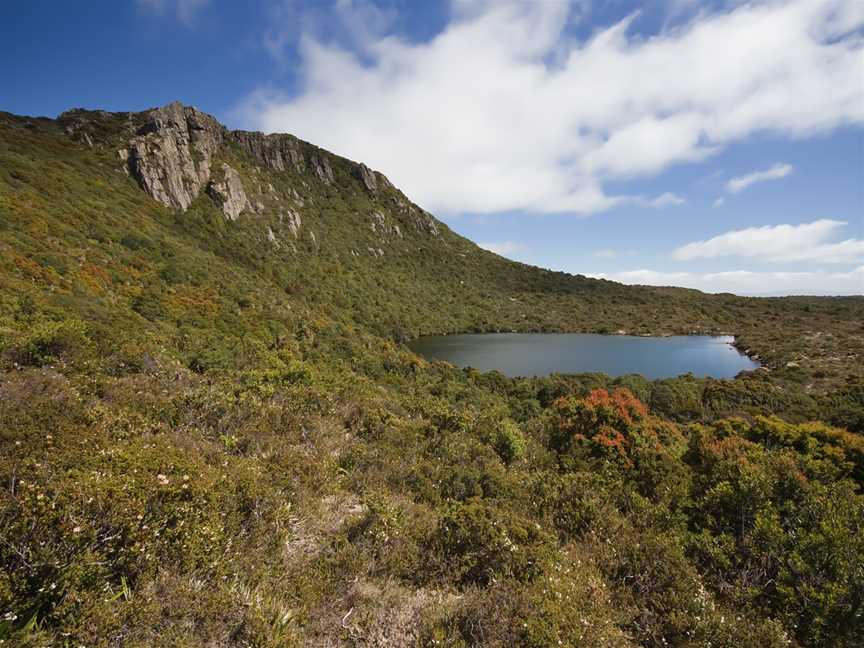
[[541, 354]]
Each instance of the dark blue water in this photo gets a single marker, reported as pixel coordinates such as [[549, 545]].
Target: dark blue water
[[540, 354]]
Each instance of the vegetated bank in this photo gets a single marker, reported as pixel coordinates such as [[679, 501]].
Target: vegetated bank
[[211, 434]]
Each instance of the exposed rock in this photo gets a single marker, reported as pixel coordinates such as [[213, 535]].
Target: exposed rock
[[278, 152], [367, 177], [271, 236], [292, 219], [425, 222], [229, 193], [123, 154], [281, 152], [322, 169], [170, 156], [379, 222], [380, 225], [298, 199]]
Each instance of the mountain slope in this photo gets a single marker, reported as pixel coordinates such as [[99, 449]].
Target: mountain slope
[[211, 435], [331, 232]]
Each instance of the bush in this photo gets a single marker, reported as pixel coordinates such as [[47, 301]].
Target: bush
[[479, 544], [509, 442], [47, 342], [149, 305]]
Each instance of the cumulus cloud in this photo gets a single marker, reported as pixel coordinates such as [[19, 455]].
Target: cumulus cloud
[[745, 282], [504, 248], [183, 10], [779, 243], [505, 110], [776, 172]]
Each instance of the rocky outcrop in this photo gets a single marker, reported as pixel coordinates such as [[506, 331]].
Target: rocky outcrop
[[172, 151], [229, 193], [292, 219], [381, 225], [374, 181], [367, 177], [282, 152], [278, 152], [424, 221], [322, 169], [170, 155]]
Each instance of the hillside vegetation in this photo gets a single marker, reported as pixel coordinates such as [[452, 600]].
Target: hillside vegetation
[[211, 433]]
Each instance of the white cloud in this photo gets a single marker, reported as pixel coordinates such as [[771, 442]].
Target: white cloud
[[184, 10], [665, 200], [776, 172], [504, 110], [719, 202], [606, 254], [744, 282], [779, 243], [504, 248]]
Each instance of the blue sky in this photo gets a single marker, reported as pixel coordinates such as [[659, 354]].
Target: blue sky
[[712, 145]]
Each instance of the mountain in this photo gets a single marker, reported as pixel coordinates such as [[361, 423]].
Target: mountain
[[333, 233], [212, 433]]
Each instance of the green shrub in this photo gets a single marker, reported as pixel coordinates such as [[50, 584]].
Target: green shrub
[[509, 442], [149, 305], [45, 342], [478, 544]]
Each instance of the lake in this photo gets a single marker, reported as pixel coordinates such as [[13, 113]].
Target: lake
[[540, 354]]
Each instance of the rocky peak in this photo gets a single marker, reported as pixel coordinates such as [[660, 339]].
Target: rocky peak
[[170, 154]]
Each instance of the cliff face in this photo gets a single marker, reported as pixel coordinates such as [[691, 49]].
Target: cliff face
[[171, 157], [171, 154]]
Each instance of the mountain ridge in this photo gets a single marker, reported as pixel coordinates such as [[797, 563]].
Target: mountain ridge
[[306, 208]]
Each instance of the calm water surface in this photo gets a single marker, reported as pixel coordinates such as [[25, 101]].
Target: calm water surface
[[540, 354]]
